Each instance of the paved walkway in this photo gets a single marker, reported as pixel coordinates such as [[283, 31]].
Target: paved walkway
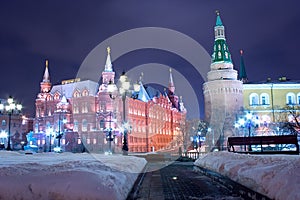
[[179, 181]]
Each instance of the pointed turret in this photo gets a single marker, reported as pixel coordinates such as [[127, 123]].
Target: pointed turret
[[181, 105], [45, 85], [108, 65], [46, 77], [242, 72], [108, 74], [221, 52], [171, 92], [143, 95], [171, 82]]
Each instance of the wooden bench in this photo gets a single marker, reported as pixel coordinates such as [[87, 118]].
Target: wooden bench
[[245, 144]]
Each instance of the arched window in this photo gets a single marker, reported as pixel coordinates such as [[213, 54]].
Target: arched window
[[76, 94], [102, 124], [298, 98], [75, 126], [48, 98], [56, 96], [253, 99], [264, 99], [3, 122], [85, 93], [84, 108], [75, 108], [290, 98], [84, 125]]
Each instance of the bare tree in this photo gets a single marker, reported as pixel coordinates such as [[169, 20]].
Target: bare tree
[[290, 119]]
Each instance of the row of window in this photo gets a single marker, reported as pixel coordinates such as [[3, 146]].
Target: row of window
[[76, 94], [264, 99]]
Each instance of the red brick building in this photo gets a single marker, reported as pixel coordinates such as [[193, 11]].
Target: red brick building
[[83, 113]]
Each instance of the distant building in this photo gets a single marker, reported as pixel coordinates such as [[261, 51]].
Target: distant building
[[223, 92], [19, 127], [269, 102], [83, 113]]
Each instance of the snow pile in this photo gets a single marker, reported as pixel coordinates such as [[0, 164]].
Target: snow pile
[[67, 175], [276, 176]]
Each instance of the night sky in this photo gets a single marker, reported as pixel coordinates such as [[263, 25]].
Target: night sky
[[65, 31]]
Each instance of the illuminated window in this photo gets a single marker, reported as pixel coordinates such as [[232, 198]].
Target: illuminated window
[[3, 123], [56, 96], [290, 98], [75, 125], [84, 125], [85, 93], [264, 99], [48, 98], [253, 99], [76, 94], [84, 108], [298, 98], [75, 108]]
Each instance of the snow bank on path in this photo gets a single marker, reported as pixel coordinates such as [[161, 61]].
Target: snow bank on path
[[276, 176], [67, 175]]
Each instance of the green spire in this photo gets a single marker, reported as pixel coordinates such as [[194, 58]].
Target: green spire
[[242, 72], [218, 21], [221, 52]]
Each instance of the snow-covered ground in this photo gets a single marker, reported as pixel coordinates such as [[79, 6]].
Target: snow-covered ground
[[276, 176], [67, 175]]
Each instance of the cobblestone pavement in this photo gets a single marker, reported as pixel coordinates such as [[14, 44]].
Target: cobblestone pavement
[[180, 181]]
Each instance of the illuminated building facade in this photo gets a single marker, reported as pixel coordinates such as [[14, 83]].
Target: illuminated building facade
[[84, 113]]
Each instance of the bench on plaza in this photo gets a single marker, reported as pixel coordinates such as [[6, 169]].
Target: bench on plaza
[[282, 144]]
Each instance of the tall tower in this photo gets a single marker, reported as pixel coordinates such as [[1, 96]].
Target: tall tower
[[171, 92], [223, 93], [108, 74], [45, 87], [242, 73]]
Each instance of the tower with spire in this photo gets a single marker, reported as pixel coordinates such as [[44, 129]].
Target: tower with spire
[[45, 85], [45, 88], [171, 92], [242, 73], [223, 92]]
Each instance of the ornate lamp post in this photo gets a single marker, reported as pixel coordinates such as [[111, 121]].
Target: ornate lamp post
[[10, 109], [49, 133], [61, 124], [247, 122], [123, 90]]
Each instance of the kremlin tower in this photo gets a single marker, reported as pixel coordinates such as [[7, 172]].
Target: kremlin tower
[[223, 93]]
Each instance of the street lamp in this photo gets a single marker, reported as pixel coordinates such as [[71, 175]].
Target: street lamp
[[248, 122], [109, 134], [123, 90], [49, 133], [10, 108], [60, 133]]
